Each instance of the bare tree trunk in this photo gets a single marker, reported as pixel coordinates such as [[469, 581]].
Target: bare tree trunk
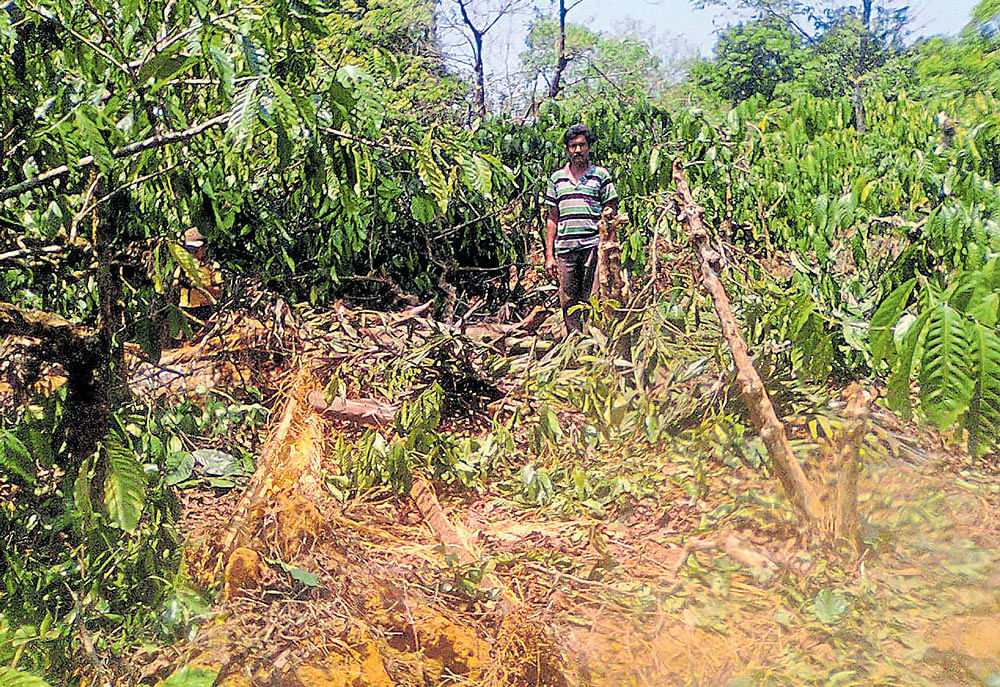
[[479, 90], [859, 107], [762, 414], [555, 84], [860, 66]]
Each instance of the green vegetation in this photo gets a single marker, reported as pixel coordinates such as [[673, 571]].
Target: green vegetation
[[326, 153]]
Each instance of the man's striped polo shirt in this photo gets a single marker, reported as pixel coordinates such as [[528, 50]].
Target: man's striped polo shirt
[[579, 206]]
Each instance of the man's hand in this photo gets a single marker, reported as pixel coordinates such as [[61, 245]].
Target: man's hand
[[550, 266]]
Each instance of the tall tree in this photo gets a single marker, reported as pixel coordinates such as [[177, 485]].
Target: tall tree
[[843, 43], [562, 53], [752, 58], [587, 65]]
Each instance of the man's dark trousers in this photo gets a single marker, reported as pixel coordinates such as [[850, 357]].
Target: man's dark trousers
[[577, 268]]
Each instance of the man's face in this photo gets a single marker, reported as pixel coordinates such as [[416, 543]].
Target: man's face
[[578, 149]]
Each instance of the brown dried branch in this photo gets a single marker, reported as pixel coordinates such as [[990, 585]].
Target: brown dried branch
[[762, 414], [361, 411]]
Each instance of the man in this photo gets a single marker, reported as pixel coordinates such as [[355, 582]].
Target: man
[[200, 282], [576, 196]]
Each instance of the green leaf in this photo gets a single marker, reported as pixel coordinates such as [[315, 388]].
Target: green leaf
[[191, 677], [255, 56], [898, 394], [244, 113], [10, 677], [549, 423], [15, 457], [124, 486], [946, 367], [179, 468], [476, 174], [432, 176], [81, 490], [984, 416], [168, 71], [93, 140], [884, 320], [829, 606], [7, 32], [284, 106], [423, 209], [214, 463], [225, 68], [164, 65], [309, 579], [654, 160], [187, 262]]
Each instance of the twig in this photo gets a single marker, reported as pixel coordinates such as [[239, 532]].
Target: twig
[[87, 642], [25, 252]]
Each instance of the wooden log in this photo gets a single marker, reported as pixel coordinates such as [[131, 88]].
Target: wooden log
[[762, 414], [423, 495], [362, 411]]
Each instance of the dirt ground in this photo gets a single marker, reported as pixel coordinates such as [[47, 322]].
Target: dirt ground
[[717, 585]]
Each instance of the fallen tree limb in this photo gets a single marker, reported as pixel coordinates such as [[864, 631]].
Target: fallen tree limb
[[427, 503], [363, 411], [762, 414], [733, 547], [423, 495]]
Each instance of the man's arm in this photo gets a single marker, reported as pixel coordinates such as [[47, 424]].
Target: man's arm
[[551, 223]]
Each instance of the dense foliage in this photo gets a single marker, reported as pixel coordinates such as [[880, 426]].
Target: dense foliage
[[325, 152]]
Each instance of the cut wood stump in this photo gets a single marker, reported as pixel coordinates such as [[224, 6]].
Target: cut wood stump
[[609, 283], [286, 513], [847, 523]]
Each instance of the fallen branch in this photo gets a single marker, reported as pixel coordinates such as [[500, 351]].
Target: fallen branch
[[733, 547], [762, 414], [362, 411], [423, 495]]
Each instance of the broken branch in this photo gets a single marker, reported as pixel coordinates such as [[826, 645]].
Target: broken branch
[[762, 414]]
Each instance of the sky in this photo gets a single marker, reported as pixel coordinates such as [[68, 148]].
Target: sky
[[698, 27], [676, 21]]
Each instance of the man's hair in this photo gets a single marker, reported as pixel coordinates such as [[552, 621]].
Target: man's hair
[[578, 130]]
